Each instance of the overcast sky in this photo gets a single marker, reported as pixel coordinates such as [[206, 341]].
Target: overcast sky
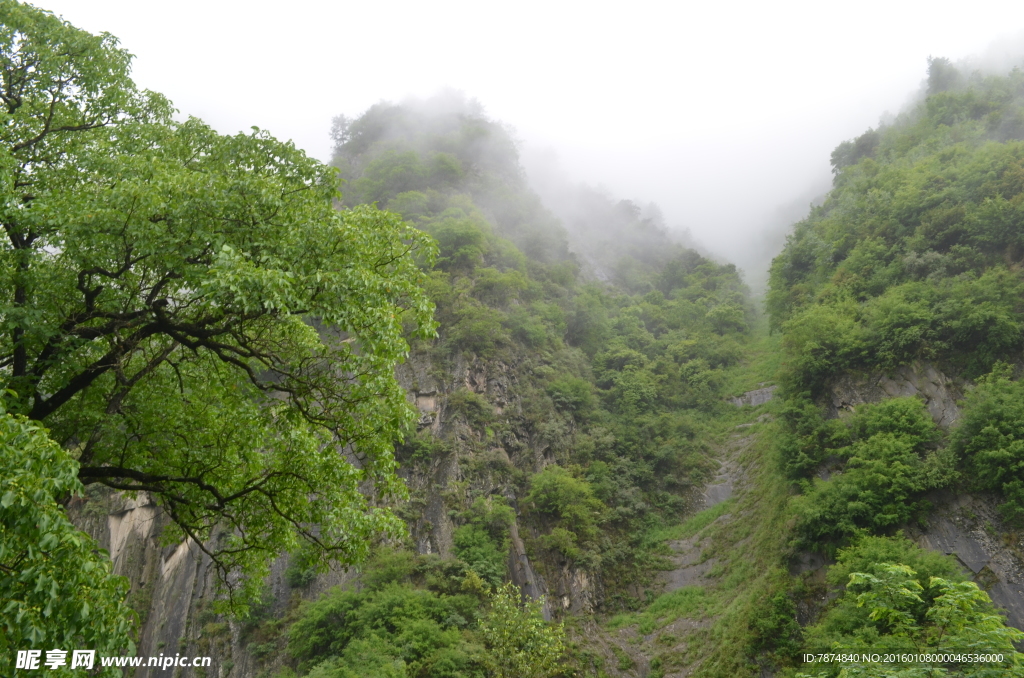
[[720, 112]]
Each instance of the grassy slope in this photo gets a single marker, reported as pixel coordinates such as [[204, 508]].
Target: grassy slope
[[707, 628]]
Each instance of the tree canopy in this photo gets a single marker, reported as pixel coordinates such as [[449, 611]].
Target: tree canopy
[[902, 611], [190, 314]]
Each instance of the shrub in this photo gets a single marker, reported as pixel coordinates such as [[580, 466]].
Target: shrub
[[990, 440], [477, 412], [483, 542], [301, 570], [885, 474], [572, 395], [570, 502], [477, 328], [346, 629], [775, 633], [522, 643], [892, 608]]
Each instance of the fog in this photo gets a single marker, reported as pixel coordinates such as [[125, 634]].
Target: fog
[[723, 114]]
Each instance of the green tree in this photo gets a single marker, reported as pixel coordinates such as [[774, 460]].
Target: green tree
[[522, 643], [190, 314], [557, 495], [56, 590], [390, 632], [905, 617], [990, 439]]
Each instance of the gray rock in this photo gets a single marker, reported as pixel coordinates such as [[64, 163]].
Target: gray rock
[[754, 398], [969, 528], [939, 392]]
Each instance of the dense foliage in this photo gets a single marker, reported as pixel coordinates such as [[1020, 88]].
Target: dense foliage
[[192, 316], [189, 313], [619, 363], [900, 599], [914, 257], [912, 254], [424, 616], [56, 588], [888, 462], [989, 441]]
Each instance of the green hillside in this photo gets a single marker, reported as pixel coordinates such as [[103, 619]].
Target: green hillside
[[913, 260], [603, 437], [915, 256]]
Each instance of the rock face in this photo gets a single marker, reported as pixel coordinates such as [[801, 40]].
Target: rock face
[[755, 398], [938, 391], [563, 586], [173, 587], [969, 528], [522, 573]]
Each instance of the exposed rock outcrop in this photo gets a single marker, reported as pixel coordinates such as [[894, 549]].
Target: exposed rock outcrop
[[969, 528], [563, 586], [939, 392], [173, 587], [756, 397]]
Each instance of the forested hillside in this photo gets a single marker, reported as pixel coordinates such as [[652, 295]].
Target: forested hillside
[[907, 281], [609, 407], [562, 418], [915, 256]]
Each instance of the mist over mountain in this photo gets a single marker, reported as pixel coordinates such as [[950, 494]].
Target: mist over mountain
[[602, 228], [426, 150]]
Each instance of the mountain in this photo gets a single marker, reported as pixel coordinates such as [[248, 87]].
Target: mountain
[[684, 485]]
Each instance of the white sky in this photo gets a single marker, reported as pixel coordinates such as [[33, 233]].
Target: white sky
[[718, 111]]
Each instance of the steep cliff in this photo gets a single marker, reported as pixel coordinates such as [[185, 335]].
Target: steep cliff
[[173, 587], [965, 525], [898, 301]]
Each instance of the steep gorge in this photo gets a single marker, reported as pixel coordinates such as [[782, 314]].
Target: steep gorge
[[620, 435]]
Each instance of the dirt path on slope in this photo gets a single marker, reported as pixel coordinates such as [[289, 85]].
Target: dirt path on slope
[[673, 650]]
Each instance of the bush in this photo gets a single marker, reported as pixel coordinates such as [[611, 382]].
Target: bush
[[522, 643], [885, 474], [569, 501], [821, 342], [889, 606], [483, 542], [989, 441], [421, 447], [867, 552], [472, 406], [572, 395], [477, 328], [301, 570], [346, 629], [462, 241], [775, 634]]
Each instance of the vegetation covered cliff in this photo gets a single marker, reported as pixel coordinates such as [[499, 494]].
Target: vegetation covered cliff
[[591, 435]]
